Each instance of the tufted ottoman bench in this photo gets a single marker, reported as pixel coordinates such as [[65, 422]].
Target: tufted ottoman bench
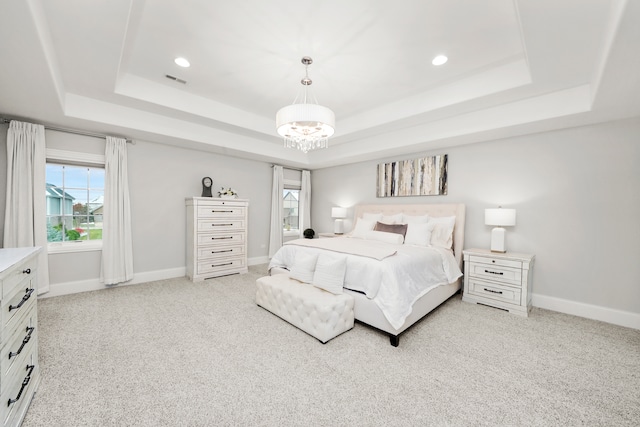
[[317, 312]]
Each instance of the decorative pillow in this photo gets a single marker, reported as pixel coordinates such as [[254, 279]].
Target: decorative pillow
[[381, 236], [442, 231], [329, 273], [362, 227], [418, 234], [391, 228], [372, 216], [392, 219], [415, 219], [303, 267]]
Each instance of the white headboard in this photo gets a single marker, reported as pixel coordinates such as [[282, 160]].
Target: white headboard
[[434, 209]]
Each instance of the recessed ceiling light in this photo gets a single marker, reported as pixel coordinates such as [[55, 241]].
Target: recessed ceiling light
[[439, 60], [182, 62]]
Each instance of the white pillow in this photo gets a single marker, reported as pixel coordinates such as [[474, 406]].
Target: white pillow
[[415, 219], [383, 236], [392, 219], [442, 231], [418, 234], [303, 267], [362, 227], [330, 272]]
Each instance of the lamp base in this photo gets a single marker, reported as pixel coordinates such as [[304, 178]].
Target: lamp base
[[338, 226], [497, 240]]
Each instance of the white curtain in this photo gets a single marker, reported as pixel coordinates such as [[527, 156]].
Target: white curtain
[[25, 222], [275, 237], [117, 247], [305, 201]]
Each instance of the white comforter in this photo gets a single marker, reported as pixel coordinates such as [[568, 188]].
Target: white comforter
[[393, 283]]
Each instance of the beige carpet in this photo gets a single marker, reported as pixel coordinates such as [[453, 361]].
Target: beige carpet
[[174, 353]]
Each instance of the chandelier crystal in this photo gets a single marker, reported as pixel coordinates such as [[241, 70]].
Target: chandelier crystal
[[305, 125]]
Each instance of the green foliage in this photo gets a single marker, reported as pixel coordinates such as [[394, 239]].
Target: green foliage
[[72, 235], [54, 234]]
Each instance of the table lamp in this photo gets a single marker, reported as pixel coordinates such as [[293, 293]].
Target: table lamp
[[500, 218], [339, 214]]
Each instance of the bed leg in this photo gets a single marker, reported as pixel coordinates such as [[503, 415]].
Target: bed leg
[[394, 339]]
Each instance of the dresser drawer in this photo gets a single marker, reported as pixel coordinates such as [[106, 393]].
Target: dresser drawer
[[220, 251], [18, 303], [221, 238], [497, 273], [19, 389], [19, 273], [221, 224], [221, 212], [494, 291], [221, 265]]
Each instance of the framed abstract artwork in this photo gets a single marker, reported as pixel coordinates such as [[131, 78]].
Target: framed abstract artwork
[[424, 176]]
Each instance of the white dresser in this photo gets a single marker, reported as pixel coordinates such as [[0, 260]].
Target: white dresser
[[216, 237], [501, 280], [19, 368]]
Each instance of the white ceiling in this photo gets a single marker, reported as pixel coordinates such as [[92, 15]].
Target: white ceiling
[[515, 67]]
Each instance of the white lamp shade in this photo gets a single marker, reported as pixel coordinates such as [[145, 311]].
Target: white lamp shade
[[338, 212], [500, 217]]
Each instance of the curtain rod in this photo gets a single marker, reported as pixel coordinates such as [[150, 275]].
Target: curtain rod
[[287, 167], [73, 131]]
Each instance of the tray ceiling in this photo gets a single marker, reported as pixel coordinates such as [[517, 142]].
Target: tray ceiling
[[515, 67]]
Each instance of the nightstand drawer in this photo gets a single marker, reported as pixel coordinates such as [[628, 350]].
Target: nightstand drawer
[[496, 261], [512, 276], [494, 291]]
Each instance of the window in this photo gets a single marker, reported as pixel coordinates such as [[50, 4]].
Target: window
[[74, 203], [290, 204]]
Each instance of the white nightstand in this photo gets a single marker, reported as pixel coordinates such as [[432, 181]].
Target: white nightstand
[[498, 280], [327, 235]]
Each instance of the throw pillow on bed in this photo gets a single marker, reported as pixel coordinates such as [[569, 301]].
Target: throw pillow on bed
[[330, 271], [418, 234], [303, 267], [442, 231], [391, 228], [362, 227], [381, 236]]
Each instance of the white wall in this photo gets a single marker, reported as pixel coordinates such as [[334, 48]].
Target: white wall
[[577, 195], [160, 178]]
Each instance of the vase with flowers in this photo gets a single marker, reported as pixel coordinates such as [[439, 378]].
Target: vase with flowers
[[227, 193]]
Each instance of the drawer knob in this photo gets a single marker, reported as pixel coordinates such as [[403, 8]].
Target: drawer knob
[[225, 237], [499, 273], [220, 252], [27, 271], [492, 291], [26, 296], [221, 225], [25, 383]]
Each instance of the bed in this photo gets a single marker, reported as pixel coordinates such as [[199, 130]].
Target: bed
[[389, 281]]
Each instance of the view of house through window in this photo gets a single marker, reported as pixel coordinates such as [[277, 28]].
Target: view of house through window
[[75, 198], [291, 206]]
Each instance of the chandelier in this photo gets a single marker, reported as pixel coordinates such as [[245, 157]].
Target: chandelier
[[305, 125]]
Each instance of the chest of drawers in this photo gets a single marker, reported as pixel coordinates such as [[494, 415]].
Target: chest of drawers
[[499, 280], [216, 237], [19, 369]]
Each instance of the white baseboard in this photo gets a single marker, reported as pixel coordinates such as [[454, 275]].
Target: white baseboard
[[58, 289], [604, 314]]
